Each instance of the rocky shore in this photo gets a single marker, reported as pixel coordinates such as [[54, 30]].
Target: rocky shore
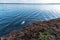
[[42, 30]]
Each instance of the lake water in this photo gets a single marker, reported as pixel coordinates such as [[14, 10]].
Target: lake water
[[14, 16]]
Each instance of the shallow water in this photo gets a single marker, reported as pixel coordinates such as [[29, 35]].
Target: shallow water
[[14, 16]]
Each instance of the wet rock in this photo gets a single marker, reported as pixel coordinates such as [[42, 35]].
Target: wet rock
[[31, 32]]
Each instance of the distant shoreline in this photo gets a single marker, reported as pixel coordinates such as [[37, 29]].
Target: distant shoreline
[[33, 3]]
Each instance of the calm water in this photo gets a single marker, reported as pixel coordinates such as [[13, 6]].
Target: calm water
[[14, 16]]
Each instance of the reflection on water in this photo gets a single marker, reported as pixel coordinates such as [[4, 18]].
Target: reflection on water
[[14, 16]]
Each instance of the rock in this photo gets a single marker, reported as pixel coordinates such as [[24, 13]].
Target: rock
[[31, 32]]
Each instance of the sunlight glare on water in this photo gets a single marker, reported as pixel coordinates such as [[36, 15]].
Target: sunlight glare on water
[[14, 16]]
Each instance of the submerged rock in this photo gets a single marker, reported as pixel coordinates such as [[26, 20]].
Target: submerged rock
[[43, 30]]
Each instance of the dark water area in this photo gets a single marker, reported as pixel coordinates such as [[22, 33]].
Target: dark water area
[[16, 16]]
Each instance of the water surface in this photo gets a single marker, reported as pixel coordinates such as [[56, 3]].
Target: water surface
[[14, 16]]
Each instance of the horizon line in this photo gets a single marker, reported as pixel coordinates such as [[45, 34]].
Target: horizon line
[[34, 3]]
